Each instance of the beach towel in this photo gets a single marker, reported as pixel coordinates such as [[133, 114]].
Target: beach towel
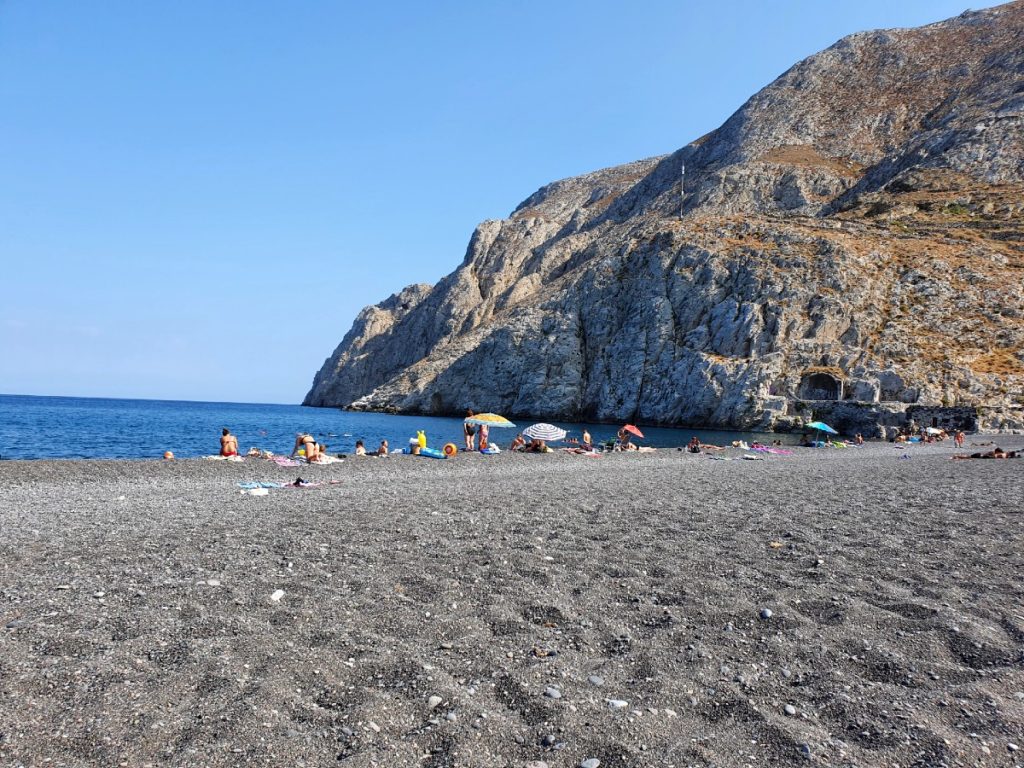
[[300, 483], [284, 461], [260, 484], [325, 459], [223, 458]]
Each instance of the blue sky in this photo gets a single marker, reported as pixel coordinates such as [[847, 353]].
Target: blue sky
[[196, 198]]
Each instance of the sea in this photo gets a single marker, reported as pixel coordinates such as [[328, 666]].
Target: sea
[[34, 427]]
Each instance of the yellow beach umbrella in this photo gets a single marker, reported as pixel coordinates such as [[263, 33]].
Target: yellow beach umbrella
[[490, 420]]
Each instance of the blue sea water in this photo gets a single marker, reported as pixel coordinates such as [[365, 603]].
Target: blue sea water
[[34, 427]]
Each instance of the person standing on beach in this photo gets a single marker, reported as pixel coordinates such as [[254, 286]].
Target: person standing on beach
[[469, 431], [228, 443], [484, 434], [958, 438]]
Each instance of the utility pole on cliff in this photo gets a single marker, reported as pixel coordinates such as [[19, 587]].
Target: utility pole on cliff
[[682, 187]]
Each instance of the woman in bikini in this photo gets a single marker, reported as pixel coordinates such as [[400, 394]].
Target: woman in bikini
[[228, 443], [307, 441], [469, 432]]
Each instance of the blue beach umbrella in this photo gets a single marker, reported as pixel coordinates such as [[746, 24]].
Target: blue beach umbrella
[[818, 427]]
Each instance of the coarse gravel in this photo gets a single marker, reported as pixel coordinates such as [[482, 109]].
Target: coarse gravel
[[842, 607]]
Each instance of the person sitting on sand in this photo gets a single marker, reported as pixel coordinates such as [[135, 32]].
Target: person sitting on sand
[[518, 444], [623, 441], [859, 439], [586, 442], [382, 451], [228, 443], [694, 445], [307, 442], [360, 448], [537, 446]]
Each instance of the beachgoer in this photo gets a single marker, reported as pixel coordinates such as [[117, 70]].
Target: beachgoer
[[623, 443], [360, 448], [228, 443], [383, 450], [958, 438], [537, 446], [484, 433], [694, 445], [168, 456], [586, 442], [307, 442], [469, 432], [859, 439], [995, 453], [519, 444]]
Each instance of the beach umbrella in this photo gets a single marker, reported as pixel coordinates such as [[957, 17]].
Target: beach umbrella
[[820, 426], [633, 430], [489, 420], [544, 432]]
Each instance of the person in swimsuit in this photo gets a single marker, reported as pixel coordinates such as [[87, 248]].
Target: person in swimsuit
[[694, 445], [469, 431], [228, 443], [306, 441], [585, 442], [519, 444], [360, 448]]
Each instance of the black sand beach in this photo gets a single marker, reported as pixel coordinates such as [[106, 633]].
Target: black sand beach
[[836, 607]]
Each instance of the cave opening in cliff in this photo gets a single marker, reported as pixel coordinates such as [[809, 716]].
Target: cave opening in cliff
[[820, 386]]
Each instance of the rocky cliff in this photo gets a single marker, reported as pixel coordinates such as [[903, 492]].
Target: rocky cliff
[[854, 234]]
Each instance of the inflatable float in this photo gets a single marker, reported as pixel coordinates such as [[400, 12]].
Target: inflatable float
[[432, 453], [450, 449]]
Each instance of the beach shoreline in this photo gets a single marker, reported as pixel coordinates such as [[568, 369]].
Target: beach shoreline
[[848, 606]]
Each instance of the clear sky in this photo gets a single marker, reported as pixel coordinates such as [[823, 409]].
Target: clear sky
[[197, 197]]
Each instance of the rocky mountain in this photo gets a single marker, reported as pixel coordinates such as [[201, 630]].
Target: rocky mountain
[[850, 242]]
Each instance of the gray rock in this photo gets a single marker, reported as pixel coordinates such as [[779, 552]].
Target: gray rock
[[552, 693], [789, 709], [595, 298], [595, 680], [591, 762], [766, 613], [617, 704], [434, 702]]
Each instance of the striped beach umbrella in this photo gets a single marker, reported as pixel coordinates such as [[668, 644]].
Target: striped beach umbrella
[[489, 420], [544, 432]]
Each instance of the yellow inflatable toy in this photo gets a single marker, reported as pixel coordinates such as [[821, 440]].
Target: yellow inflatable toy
[[450, 449]]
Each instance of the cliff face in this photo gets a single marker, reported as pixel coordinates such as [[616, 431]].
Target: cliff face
[[854, 231]]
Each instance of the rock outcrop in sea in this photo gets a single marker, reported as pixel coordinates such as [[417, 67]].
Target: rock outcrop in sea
[[850, 244]]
